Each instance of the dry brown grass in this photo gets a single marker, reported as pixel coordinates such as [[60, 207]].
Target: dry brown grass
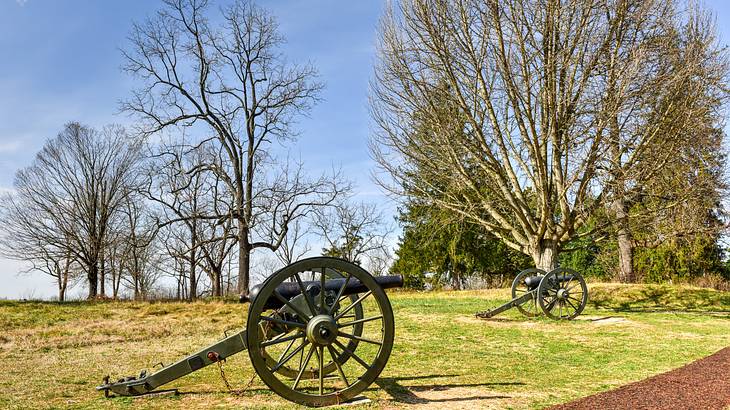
[[53, 355]]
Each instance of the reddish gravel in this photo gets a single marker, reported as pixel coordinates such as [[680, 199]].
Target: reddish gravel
[[704, 384]]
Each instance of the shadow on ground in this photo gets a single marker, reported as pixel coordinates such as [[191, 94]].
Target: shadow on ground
[[407, 394]]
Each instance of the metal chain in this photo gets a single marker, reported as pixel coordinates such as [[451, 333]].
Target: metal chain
[[228, 384], [231, 390]]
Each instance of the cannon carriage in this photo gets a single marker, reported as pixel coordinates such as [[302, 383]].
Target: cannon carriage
[[561, 294], [319, 332]]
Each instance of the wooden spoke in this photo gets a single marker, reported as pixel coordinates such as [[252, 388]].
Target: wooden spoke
[[321, 368], [304, 366], [283, 322], [309, 300], [352, 354], [283, 300], [355, 303], [334, 356], [355, 322], [339, 294], [322, 278], [282, 339], [291, 355], [571, 304], [284, 353], [360, 338]]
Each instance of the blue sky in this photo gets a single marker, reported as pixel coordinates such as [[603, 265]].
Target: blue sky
[[59, 61]]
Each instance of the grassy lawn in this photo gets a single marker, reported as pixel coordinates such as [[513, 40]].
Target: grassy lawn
[[53, 355]]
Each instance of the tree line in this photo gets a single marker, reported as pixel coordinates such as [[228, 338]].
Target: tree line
[[197, 184], [583, 133]]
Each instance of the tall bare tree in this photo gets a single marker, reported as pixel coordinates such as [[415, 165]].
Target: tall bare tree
[[685, 169], [535, 113], [230, 79], [355, 231], [67, 198]]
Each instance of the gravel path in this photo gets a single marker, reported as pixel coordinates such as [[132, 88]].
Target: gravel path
[[704, 384]]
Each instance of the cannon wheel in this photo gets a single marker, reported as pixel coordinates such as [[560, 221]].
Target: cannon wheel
[[330, 367], [519, 288], [322, 335], [561, 298]]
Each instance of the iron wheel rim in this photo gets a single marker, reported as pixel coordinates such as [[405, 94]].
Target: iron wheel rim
[[519, 288], [365, 371], [557, 306]]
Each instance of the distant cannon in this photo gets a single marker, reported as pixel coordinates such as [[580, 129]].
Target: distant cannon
[[319, 332], [561, 294]]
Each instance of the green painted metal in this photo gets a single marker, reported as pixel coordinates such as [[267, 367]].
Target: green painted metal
[[563, 294], [301, 302], [528, 297], [143, 384], [520, 288], [314, 333]]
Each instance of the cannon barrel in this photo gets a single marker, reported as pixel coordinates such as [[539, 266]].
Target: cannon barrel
[[533, 282], [289, 290]]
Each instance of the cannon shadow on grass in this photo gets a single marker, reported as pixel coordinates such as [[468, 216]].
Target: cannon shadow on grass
[[391, 385], [407, 394], [662, 299]]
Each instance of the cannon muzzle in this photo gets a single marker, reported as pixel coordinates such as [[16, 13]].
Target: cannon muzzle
[[291, 289]]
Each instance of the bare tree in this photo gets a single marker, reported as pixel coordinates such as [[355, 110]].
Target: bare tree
[[18, 244], [292, 248], [135, 262], [685, 182], [231, 80], [526, 117], [353, 231], [68, 196]]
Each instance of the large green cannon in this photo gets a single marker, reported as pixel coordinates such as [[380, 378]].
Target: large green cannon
[[319, 332], [561, 294]]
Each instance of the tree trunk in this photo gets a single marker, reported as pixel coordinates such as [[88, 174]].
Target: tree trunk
[[102, 277], [244, 258], [63, 282], [456, 280], [92, 275], [545, 255], [215, 279], [625, 241], [61, 290], [193, 279]]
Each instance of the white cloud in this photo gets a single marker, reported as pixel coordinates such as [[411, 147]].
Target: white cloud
[[7, 147], [21, 3]]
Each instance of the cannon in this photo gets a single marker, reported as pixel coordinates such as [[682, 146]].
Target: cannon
[[319, 332], [561, 294]]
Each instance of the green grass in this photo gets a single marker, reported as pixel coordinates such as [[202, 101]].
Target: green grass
[[52, 355]]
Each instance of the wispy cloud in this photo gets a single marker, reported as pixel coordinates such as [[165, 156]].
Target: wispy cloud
[[21, 3], [8, 147]]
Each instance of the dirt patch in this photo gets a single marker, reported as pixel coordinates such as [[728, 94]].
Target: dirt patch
[[421, 397], [703, 384]]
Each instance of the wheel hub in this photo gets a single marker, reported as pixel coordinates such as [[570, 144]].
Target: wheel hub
[[563, 294], [322, 330]]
